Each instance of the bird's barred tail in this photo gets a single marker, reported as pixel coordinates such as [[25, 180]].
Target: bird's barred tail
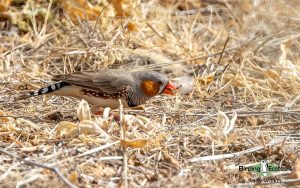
[[44, 90]]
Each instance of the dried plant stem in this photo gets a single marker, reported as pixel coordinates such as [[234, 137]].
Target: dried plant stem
[[278, 124], [43, 31], [135, 168], [16, 117], [97, 149], [89, 152], [53, 169], [123, 133], [159, 65], [240, 113], [188, 41], [220, 58], [156, 31], [236, 154]]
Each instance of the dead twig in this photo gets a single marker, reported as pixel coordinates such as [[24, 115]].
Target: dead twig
[[236, 154], [132, 167], [32, 163], [98, 149]]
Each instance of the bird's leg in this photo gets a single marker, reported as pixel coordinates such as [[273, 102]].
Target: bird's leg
[[105, 112], [96, 110]]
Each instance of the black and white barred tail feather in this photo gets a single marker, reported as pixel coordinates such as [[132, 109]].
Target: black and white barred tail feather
[[45, 90]]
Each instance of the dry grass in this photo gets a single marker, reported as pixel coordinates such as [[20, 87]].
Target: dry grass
[[245, 100]]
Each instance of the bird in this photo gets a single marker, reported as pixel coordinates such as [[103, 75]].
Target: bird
[[104, 87]]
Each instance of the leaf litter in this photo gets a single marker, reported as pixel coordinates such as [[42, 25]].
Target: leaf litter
[[239, 110]]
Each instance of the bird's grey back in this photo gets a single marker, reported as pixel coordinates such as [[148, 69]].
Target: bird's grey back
[[106, 80]]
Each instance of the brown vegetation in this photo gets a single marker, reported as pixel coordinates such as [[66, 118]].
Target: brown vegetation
[[238, 105]]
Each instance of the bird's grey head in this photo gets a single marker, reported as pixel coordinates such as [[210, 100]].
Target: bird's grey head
[[147, 84], [161, 79]]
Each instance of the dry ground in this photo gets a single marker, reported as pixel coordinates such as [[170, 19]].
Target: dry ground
[[243, 58]]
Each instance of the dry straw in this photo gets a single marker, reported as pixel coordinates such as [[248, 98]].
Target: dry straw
[[179, 141]]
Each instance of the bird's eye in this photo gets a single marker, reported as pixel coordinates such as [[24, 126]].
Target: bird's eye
[[160, 82]]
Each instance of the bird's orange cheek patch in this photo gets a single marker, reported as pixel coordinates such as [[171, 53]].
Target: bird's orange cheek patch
[[150, 88]]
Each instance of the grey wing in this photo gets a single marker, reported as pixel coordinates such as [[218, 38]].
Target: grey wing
[[104, 80]]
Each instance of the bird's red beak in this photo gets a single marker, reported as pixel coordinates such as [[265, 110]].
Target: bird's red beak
[[169, 89]]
